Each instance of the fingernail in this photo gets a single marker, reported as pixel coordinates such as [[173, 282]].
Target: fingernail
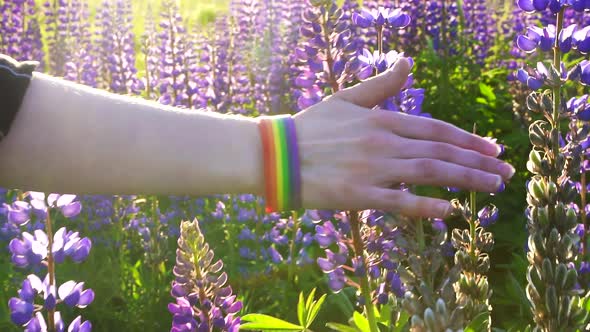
[[493, 181], [506, 170], [444, 209], [499, 149]]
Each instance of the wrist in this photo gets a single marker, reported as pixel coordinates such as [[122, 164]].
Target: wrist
[[250, 165]]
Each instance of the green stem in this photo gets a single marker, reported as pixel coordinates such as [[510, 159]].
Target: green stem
[[583, 211], [420, 234], [557, 90], [364, 280], [50, 267], [380, 39], [472, 223], [472, 219], [332, 81], [556, 104], [292, 265]]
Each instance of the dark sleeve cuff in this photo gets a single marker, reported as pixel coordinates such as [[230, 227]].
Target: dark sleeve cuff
[[15, 77]]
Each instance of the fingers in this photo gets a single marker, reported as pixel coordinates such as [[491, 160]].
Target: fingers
[[421, 128], [453, 154], [409, 204], [375, 90], [439, 173]]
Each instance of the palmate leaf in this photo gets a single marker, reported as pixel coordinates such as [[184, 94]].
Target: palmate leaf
[[267, 323]]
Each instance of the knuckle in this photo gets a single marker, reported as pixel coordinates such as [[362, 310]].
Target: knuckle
[[443, 151], [361, 169], [426, 168], [346, 189], [379, 118], [393, 201], [469, 177], [373, 140], [421, 204], [486, 163], [436, 128]]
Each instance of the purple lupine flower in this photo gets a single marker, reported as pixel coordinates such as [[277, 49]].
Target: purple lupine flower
[[66, 204], [542, 38], [392, 18], [74, 295], [581, 39], [488, 215], [204, 301], [24, 312], [242, 90], [178, 61], [117, 47], [18, 213], [532, 78], [21, 34], [32, 248], [326, 60], [579, 107], [71, 52], [151, 56], [480, 28], [222, 53]]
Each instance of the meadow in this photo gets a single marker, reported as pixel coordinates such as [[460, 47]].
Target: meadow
[[517, 260]]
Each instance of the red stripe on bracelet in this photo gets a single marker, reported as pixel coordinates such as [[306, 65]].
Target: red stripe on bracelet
[[268, 155]]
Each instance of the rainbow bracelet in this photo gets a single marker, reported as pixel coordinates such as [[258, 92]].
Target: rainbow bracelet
[[282, 171]]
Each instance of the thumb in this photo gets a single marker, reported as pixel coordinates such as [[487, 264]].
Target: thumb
[[375, 90]]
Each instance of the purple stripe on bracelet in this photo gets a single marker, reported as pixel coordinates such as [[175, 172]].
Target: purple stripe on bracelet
[[294, 165]]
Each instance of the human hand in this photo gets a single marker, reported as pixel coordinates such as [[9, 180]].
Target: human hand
[[351, 156]]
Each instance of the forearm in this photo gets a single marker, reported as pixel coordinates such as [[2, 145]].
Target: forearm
[[72, 139]]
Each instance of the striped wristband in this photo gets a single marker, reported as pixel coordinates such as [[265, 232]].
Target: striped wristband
[[282, 174]]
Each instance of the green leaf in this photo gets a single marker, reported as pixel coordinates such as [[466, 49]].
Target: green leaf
[[402, 321], [384, 314], [361, 322], [342, 301], [482, 101], [301, 312], [309, 302], [479, 323], [315, 309], [342, 327], [268, 323], [487, 92]]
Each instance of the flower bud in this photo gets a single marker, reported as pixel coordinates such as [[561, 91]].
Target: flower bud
[[546, 101], [417, 322], [543, 216], [532, 294], [547, 271], [536, 190], [441, 307], [532, 102], [551, 301], [430, 320], [570, 279]]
